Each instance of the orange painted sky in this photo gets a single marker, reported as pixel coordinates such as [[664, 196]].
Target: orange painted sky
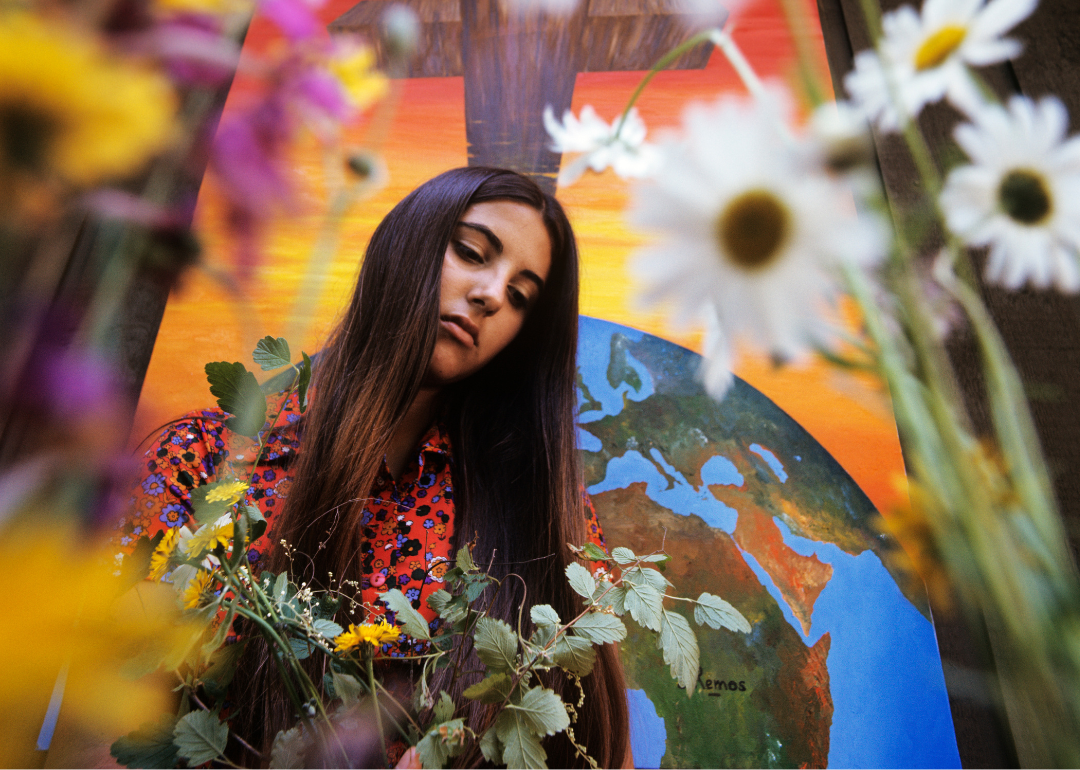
[[850, 416]]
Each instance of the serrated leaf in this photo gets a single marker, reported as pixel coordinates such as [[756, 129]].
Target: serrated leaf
[[288, 749], [281, 586], [644, 603], [656, 558], [593, 552], [491, 689], [256, 522], [639, 576], [200, 737], [623, 556], [680, 648], [714, 612], [575, 654], [612, 598], [544, 615], [440, 743], [238, 393], [521, 746], [464, 561], [301, 648], [302, 382], [346, 687], [580, 579], [150, 746], [543, 710], [272, 353], [475, 588], [328, 628], [411, 620], [439, 600], [491, 747], [444, 708], [600, 628], [496, 644]]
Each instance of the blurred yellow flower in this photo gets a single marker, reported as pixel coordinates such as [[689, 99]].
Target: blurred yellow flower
[[374, 634], [159, 560], [209, 536], [227, 493], [69, 110], [54, 580], [197, 590], [210, 7], [353, 65], [911, 522]]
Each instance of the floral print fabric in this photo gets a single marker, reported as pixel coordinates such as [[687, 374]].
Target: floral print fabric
[[408, 524]]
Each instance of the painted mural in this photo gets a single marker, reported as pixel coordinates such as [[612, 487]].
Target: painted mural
[[767, 499]]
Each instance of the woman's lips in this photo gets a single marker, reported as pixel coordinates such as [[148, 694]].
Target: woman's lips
[[461, 329]]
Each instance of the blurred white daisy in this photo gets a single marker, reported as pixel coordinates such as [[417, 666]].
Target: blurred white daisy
[[1021, 195], [623, 148], [924, 57], [751, 233]]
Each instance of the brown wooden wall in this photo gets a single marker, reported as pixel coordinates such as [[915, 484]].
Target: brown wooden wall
[[1042, 330]]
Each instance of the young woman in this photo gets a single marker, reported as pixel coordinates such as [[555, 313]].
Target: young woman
[[442, 412]]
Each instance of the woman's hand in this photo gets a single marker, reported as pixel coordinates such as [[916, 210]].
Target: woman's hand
[[410, 760]]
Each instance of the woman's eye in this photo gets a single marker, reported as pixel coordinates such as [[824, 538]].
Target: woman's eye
[[517, 299], [469, 255]]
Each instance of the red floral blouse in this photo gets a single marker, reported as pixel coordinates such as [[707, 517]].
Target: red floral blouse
[[408, 524]]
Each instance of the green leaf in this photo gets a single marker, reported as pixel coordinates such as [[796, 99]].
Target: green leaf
[[496, 644], [544, 615], [442, 742], [411, 620], [150, 746], [593, 552], [644, 603], [577, 655], [440, 600], [222, 668], [238, 393], [288, 749], [521, 746], [444, 708], [475, 586], [615, 598], [272, 353], [680, 648], [714, 612], [580, 579], [256, 522], [281, 586], [302, 648], [303, 381], [639, 576], [346, 687], [543, 710], [491, 747], [464, 560], [623, 556], [328, 628], [601, 628], [491, 689], [656, 558], [136, 566], [200, 737]]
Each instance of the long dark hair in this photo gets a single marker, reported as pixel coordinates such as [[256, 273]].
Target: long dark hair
[[516, 472]]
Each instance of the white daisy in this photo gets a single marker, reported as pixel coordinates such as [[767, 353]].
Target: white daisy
[[1021, 195], [751, 233], [925, 57], [623, 148]]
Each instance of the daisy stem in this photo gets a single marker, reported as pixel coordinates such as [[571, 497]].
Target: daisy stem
[[664, 61], [799, 26], [738, 62], [378, 709]]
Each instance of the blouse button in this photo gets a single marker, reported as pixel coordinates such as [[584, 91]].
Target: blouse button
[[378, 579]]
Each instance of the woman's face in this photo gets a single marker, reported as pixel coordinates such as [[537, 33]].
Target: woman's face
[[493, 272]]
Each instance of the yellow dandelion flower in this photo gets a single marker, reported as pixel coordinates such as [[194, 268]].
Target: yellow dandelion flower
[[159, 560], [354, 68], [197, 590], [373, 634], [70, 110], [227, 493], [209, 536]]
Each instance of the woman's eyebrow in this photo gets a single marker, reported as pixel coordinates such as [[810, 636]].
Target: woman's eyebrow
[[534, 278], [486, 232]]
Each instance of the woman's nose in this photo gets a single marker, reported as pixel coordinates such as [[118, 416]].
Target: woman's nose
[[488, 293]]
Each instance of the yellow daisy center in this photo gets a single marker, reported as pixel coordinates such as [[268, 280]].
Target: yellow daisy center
[[753, 229], [939, 46], [1025, 196], [26, 135]]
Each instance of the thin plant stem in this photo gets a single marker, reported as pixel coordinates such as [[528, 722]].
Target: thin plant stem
[[378, 709]]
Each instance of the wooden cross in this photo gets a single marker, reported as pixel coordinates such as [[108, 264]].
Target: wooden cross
[[514, 66]]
